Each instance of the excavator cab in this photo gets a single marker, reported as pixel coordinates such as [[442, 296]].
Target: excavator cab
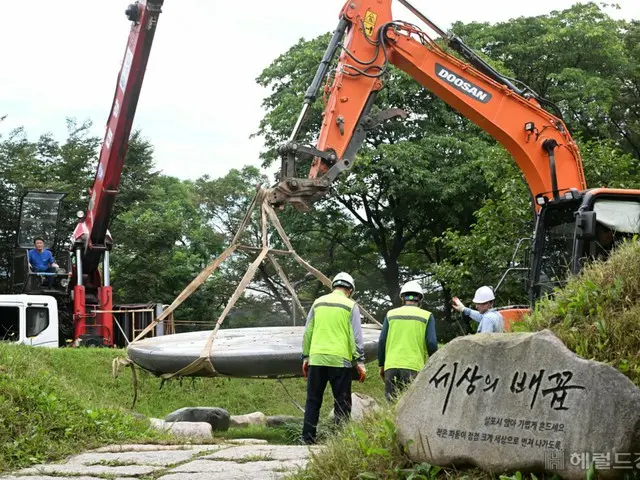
[[572, 232], [605, 219], [39, 216], [586, 227]]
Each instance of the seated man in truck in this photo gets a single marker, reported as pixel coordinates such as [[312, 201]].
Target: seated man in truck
[[42, 261]]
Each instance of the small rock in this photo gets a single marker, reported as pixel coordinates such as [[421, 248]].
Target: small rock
[[278, 420], [193, 430], [218, 418], [255, 418], [361, 405], [519, 402]]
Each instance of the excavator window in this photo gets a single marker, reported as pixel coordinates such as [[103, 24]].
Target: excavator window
[[39, 213], [616, 220], [559, 252]]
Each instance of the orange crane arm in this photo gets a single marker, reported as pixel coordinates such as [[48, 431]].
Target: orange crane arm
[[538, 140]]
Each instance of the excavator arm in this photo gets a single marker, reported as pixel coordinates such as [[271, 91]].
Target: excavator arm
[[538, 141]]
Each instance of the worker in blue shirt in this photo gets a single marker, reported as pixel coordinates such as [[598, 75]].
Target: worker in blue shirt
[[42, 260], [489, 320]]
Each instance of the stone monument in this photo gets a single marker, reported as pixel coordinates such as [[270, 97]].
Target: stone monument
[[521, 402]]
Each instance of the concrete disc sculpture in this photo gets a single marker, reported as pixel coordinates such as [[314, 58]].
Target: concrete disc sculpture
[[237, 352]]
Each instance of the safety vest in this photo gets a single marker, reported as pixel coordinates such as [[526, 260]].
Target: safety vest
[[405, 346], [332, 330]]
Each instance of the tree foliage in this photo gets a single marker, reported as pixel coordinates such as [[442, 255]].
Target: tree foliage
[[431, 197]]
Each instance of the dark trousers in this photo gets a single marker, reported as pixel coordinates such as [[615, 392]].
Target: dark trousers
[[49, 278], [396, 379], [340, 380]]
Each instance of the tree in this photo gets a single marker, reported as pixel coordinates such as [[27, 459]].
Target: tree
[[582, 59], [43, 164], [163, 243], [409, 181]]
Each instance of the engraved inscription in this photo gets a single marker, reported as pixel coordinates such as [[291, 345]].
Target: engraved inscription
[[553, 386], [484, 437]]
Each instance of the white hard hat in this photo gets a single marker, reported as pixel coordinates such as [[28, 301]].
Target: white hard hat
[[343, 279], [411, 287], [483, 294]]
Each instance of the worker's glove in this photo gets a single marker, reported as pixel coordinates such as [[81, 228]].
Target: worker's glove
[[382, 373], [458, 306], [362, 371], [305, 368]]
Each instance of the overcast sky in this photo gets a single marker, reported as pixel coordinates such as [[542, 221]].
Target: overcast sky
[[199, 100]]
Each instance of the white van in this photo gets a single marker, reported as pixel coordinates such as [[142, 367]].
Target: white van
[[29, 319]]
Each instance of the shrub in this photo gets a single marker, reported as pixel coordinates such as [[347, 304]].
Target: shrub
[[597, 313]]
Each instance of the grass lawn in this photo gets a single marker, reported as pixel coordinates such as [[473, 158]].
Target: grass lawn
[[58, 401]]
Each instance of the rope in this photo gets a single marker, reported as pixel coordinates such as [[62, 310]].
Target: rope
[[121, 331], [119, 363], [290, 396], [317, 273]]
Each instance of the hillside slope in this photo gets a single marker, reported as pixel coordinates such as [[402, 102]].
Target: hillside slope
[[597, 314]]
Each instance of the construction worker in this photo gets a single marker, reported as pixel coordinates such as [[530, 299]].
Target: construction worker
[[332, 342], [41, 260], [488, 319], [407, 338]]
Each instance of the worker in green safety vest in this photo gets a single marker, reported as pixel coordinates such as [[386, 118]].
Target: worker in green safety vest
[[332, 342], [407, 339]]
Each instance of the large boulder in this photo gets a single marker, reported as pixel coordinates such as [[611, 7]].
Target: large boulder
[[361, 405], [218, 418], [520, 401]]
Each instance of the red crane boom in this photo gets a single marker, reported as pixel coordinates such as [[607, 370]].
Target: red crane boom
[[91, 238]]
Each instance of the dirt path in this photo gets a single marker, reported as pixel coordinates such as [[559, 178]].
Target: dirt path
[[251, 459]]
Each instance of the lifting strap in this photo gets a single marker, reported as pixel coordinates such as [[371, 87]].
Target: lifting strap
[[203, 362]]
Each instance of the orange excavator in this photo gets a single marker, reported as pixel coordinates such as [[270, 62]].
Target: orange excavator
[[573, 223]]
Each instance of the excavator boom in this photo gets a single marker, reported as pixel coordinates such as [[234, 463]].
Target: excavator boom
[[538, 140]]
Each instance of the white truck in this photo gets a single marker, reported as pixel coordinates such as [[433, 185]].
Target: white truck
[[29, 319]]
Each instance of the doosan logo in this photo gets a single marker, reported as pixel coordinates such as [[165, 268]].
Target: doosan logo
[[462, 85]]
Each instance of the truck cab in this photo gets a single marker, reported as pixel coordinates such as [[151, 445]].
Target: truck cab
[[30, 320]]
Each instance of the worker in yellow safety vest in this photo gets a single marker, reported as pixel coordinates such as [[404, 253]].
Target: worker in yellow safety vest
[[332, 342], [407, 338]]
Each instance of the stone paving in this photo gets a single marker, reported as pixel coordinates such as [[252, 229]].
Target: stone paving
[[236, 459]]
